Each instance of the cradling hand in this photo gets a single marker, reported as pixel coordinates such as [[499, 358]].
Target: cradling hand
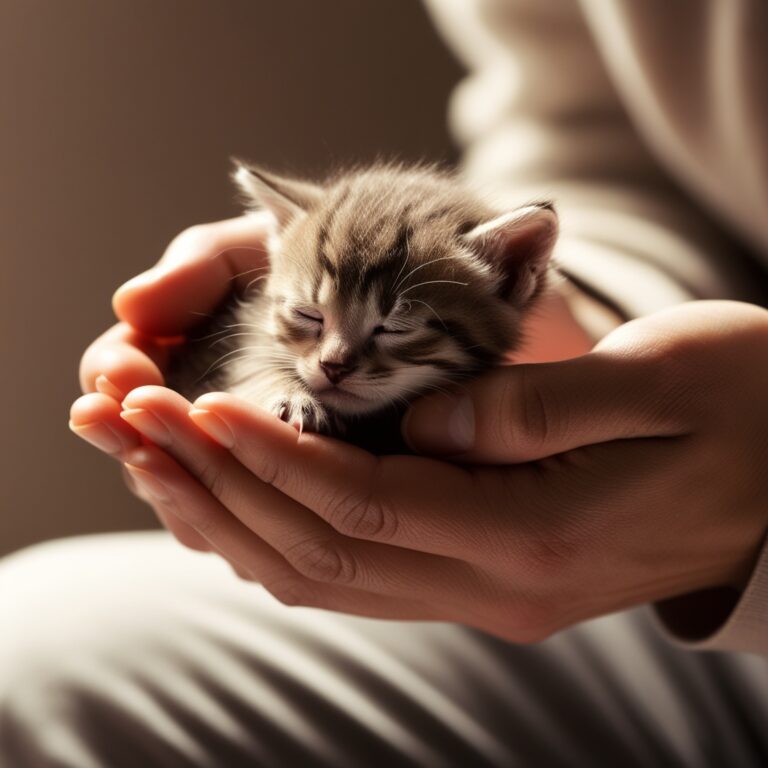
[[563, 490]]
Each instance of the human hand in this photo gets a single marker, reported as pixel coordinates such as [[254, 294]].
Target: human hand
[[198, 269], [632, 474]]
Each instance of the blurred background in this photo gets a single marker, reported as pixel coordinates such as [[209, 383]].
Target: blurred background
[[117, 120]]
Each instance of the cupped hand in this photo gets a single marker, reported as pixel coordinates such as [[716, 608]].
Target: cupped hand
[[197, 271], [632, 474]]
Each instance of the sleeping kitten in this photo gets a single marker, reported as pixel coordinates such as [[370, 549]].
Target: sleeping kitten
[[384, 284]]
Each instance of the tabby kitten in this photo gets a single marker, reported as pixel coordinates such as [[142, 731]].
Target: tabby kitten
[[383, 284]]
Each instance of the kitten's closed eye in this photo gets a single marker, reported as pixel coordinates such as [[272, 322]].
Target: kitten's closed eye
[[309, 314], [378, 292]]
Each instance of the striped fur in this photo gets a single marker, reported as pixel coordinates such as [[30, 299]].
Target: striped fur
[[400, 275]]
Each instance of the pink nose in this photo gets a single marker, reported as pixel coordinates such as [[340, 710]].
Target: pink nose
[[336, 372]]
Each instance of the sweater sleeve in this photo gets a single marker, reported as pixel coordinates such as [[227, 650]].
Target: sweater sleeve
[[721, 619], [539, 117]]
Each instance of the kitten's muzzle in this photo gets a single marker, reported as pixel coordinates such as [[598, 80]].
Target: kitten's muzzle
[[337, 372]]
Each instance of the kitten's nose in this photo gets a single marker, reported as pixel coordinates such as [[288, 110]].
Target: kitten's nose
[[336, 372]]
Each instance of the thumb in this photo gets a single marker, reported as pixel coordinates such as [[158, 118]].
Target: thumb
[[527, 412], [198, 270]]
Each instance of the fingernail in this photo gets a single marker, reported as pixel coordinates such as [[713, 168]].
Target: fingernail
[[106, 387], [214, 426], [441, 425], [149, 425], [148, 483], [100, 435]]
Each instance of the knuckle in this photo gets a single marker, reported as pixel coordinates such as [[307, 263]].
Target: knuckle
[[528, 416], [528, 622], [88, 365], [677, 378], [130, 483], [207, 525], [320, 560], [363, 517], [557, 535], [242, 573], [199, 238], [270, 471], [675, 389], [189, 540], [290, 591], [553, 554], [549, 558], [211, 476]]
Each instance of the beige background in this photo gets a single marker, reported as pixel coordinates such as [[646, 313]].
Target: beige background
[[117, 118]]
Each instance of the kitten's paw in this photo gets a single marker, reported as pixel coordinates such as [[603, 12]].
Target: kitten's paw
[[303, 412]]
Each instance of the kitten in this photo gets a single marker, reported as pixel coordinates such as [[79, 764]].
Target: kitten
[[384, 284]]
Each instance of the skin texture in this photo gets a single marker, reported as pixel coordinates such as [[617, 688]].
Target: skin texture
[[560, 491]]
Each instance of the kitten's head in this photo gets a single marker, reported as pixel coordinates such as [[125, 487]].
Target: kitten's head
[[387, 282]]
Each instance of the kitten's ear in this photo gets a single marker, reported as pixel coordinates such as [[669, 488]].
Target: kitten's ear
[[284, 198], [518, 245]]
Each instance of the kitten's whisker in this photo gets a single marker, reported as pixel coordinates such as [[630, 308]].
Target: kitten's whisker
[[421, 266], [229, 354], [227, 338], [255, 326], [431, 282], [273, 352], [402, 266], [219, 365], [224, 330], [252, 282], [248, 271], [216, 255], [431, 309], [287, 368], [198, 339]]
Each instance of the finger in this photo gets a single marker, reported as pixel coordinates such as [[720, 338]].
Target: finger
[[96, 419], [408, 502], [185, 534], [120, 360], [526, 412], [141, 485], [308, 542], [199, 268], [177, 491]]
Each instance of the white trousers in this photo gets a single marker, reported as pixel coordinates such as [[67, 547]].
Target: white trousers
[[129, 651]]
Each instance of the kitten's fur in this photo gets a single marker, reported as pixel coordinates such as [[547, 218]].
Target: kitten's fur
[[384, 283]]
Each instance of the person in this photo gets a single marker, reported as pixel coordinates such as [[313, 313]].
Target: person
[[622, 465]]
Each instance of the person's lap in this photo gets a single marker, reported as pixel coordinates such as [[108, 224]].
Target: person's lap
[[126, 650]]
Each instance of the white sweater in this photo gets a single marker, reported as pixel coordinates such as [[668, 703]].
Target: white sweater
[[647, 122]]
